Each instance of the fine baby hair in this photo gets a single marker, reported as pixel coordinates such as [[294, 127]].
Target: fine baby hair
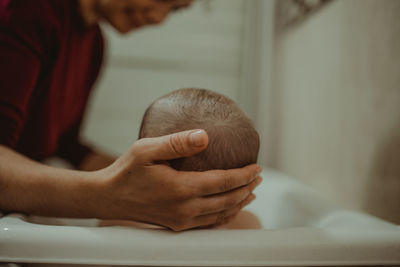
[[233, 140]]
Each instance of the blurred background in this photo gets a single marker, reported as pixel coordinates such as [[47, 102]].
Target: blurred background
[[320, 79]]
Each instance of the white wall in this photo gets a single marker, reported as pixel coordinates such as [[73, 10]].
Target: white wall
[[199, 47], [337, 87]]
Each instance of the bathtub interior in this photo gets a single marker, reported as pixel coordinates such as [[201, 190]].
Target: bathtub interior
[[299, 227]]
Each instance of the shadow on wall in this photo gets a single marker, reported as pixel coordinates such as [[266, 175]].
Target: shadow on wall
[[383, 189], [293, 12]]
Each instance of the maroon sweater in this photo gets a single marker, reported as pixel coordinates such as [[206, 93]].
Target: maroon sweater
[[49, 61]]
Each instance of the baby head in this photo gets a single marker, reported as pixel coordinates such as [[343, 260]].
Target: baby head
[[233, 141]]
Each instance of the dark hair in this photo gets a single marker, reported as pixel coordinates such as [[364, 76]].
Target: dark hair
[[233, 140]]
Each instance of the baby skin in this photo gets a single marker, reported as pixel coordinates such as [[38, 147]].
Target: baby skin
[[243, 220], [233, 140]]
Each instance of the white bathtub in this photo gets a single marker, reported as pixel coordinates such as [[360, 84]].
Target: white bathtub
[[300, 228]]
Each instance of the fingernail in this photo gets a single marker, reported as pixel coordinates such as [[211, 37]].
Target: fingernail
[[197, 138], [258, 181]]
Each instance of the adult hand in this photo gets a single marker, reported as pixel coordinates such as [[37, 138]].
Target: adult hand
[[138, 186]]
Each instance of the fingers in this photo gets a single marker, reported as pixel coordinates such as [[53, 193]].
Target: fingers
[[178, 145], [210, 210], [220, 181], [225, 201]]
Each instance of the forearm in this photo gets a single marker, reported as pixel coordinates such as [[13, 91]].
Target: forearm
[[31, 187]]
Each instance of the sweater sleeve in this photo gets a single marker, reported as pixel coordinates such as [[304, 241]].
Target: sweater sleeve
[[30, 38], [19, 70], [70, 145]]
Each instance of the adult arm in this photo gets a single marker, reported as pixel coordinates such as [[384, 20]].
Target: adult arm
[[135, 187]]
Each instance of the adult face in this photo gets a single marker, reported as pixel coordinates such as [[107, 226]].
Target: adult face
[[127, 15]]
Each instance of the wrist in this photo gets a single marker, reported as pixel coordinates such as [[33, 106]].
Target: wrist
[[102, 197], [66, 193], [90, 196]]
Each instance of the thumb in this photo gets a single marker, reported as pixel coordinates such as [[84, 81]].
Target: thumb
[[177, 145]]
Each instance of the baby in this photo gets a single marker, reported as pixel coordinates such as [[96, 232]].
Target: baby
[[233, 141]]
